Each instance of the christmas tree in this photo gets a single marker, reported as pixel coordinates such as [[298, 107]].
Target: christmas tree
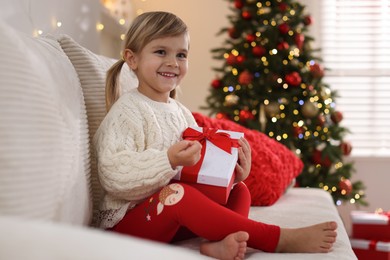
[[270, 80]]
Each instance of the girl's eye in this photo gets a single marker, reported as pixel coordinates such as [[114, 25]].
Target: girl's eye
[[161, 52], [182, 55]]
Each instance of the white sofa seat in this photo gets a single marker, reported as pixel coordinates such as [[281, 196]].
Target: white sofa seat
[[299, 207]]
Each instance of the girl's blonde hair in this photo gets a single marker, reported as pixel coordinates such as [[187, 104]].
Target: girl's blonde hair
[[144, 29]]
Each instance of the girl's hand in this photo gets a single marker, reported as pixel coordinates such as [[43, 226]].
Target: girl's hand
[[184, 153], [243, 166]]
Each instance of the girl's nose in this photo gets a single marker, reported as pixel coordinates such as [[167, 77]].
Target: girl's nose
[[172, 62]]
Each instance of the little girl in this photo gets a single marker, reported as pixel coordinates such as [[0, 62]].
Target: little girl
[[139, 150]]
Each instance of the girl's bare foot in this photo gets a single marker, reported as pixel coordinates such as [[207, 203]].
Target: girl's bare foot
[[232, 247], [318, 238]]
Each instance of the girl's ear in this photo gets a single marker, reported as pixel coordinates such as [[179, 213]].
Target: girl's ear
[[130, 58]]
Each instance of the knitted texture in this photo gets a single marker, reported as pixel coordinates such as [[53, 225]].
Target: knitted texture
[[273, 167], [44, 160], [91, 69], [131, 145]]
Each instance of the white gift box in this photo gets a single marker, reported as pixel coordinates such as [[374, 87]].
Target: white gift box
[[370, 226], [371, 249], [364, 217], [217, 166], [216, 169]]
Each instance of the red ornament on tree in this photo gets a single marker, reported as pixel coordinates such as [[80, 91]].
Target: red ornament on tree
[[324, 161], [284, 28], [231, 59], [233, 33], [336, 117], [282, 7], [216, 83], [221, 116], [293, 79], [308, 20], [250, 38], [299, 39], [316, 70], [345, 186], [246, 115], [298, 130], [282, 46], [240, 59], [346, 148], [245, 78], [321, 120], [238, 4], [246, 15], [258, 51]]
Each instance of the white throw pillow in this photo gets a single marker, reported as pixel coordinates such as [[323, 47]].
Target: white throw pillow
[[91, 69], [44, 153]]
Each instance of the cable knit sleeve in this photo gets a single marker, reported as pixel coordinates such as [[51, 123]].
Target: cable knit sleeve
[[129, 167]]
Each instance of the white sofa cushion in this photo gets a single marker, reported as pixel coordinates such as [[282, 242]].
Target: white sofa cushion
[[299, 207], [91, 69], [44, 160]]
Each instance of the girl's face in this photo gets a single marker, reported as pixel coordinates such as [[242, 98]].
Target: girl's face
[[160, 66]]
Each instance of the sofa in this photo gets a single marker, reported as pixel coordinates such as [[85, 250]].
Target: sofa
[[51, 103]]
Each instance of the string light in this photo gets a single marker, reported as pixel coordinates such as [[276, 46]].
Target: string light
[[37, 32], [99, 26], [120, 9]]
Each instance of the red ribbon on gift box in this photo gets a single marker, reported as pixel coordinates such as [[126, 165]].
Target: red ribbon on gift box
[[220, 139], [387, 214], [372, 245]]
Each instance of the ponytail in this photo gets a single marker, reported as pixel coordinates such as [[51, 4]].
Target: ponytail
[[113, 89]]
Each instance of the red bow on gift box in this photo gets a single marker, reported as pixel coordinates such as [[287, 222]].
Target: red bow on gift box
[[385, 213], [220, 139]]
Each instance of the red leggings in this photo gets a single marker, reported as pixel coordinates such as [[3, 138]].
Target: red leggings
[[179, 207]]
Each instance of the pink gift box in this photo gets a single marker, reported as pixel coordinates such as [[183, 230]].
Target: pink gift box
[[214, 174], [371, 249], [370, 226]]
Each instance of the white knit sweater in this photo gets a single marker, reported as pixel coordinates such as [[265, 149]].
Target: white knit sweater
[[131, 145]]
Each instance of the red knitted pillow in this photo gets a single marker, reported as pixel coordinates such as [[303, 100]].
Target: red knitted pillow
[[273, 168]]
